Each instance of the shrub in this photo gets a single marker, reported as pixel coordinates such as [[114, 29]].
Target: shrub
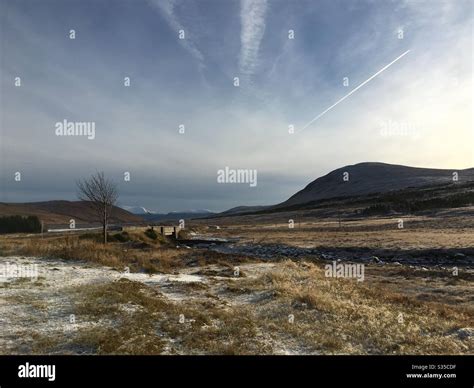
[[150, 233], [119, 237], [20, 224]]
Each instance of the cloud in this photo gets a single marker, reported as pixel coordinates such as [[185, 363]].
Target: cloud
[[252, 17], [247, 127], [167, 9]]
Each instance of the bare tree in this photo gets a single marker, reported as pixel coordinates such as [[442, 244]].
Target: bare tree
[[102, 195]]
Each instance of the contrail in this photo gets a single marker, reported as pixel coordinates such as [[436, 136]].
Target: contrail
[[353, 90]]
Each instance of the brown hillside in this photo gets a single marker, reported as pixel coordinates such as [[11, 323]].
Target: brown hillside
[[60, 212]]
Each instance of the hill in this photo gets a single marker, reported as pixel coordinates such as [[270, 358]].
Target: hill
[[177, 215], [372, 178], [60, 212]]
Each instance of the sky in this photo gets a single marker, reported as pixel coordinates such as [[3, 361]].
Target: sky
[[293, 60]]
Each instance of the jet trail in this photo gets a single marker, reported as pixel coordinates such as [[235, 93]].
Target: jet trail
[[353, 90]]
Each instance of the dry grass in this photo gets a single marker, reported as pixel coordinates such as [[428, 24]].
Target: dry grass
[[252, 315], [437, 231], [346, 316], [140, 253], [136, 319], [396, 310], [331, 316]]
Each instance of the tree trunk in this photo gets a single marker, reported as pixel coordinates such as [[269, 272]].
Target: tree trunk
[[104, 226]]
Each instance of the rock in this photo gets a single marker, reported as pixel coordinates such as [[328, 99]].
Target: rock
[[299, 305], [460, 255], [465, 333], [375, 259]]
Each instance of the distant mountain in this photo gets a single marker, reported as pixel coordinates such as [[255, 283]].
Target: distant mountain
[[60, 212], [370, 178], [177, 215], [138, 210], [361, 179], [243, 209]]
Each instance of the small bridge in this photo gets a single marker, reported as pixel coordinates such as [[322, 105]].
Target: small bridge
[[161, 229], [168, 230]]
